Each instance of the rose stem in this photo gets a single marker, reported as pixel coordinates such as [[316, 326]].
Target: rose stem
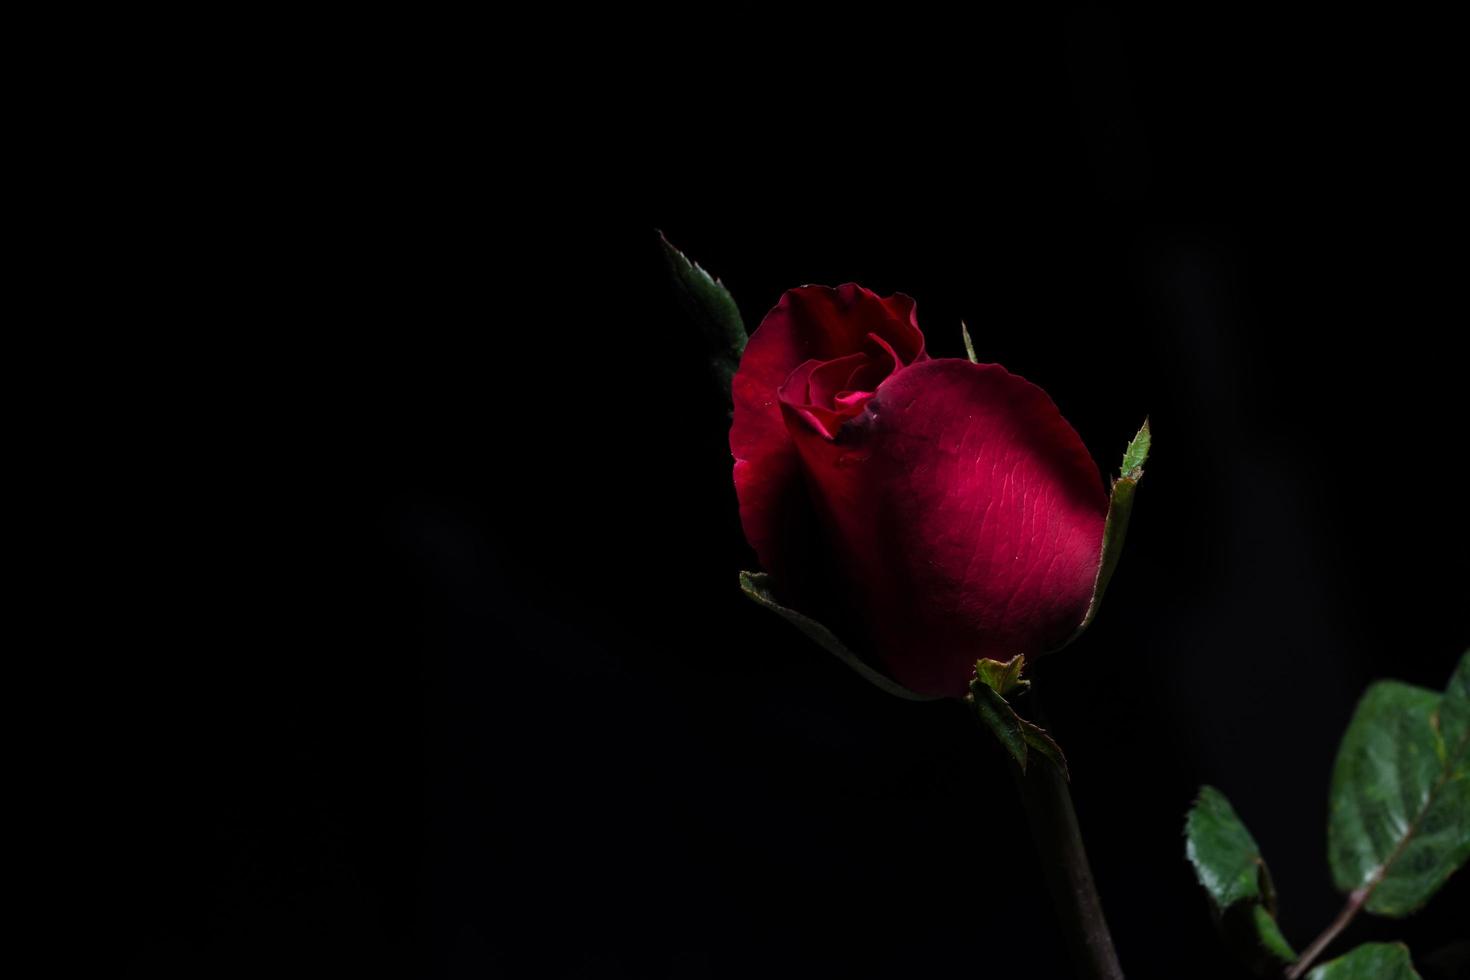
[[1354, 904], [1054, 828]]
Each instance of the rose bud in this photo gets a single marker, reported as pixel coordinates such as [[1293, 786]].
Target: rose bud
[[930, 512]]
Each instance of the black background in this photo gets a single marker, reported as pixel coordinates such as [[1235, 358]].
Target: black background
[[457, 680]]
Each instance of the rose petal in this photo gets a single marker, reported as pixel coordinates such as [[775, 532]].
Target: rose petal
[[831, 377], [809, 323], [965, 515], [795, 395]]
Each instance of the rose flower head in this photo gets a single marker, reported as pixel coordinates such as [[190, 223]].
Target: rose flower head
[[931, 512]]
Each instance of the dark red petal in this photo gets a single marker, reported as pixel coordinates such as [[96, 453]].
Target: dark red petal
[[832, 377], [795, 395], [966, 515], [812, 322]]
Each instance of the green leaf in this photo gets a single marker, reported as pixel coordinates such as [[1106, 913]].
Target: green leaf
[[1370, 961], [1226, 858], [713, 308], [969, 344], [1229, 866], [1001, 719], [1275, 949], [757, 586], [1453, 718], [1002, 678], [1120, 508], [1399, 821]]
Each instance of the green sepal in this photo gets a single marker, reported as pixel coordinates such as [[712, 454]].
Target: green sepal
[[1399, 815], [1137, 454], [1229, 867], [1039, 740], [992, 681], [756, 585], [1002, 678], [969, 344], [1001, 719], [1370, 961], [1120, 508], [712, 307]]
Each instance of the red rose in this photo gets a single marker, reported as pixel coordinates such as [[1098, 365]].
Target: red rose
[[932, 511]]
